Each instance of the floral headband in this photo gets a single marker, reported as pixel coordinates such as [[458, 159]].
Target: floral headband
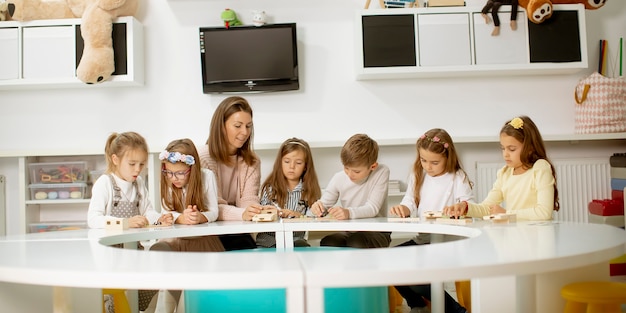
[[435, 139], [174, 157], [517, 123]]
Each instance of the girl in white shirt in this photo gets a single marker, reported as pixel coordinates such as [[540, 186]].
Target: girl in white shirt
[[437, 181], [121, 192]]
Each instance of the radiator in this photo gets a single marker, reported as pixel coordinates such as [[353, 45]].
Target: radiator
[[579, 181], [3, 206]]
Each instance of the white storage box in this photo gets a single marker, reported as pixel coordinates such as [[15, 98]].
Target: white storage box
[[57, 191], [58, 172]]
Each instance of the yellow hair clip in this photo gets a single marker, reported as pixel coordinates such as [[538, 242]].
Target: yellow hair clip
[[517, 123]]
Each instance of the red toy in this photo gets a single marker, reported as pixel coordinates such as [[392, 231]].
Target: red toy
[[606, 207]]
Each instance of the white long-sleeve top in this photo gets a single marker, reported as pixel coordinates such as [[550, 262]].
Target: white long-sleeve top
[[101, 202], [209, 186], [437, 192], [363, 200]]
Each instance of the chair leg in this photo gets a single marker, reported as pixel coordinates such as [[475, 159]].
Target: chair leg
[[120, 302], [575, 307], [463, 294], [604, 308]]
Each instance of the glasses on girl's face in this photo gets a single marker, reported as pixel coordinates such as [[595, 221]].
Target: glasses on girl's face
[[178, 175]]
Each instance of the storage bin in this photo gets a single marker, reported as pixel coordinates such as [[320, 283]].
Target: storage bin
[[94, 175], [57, 191], [336, 300], [58, 172]]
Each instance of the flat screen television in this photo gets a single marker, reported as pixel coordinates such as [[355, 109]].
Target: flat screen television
[[242, 59]]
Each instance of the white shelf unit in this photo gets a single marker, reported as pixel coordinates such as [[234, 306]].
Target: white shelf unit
[[455, 41], [43, 54], [461, 139], [70, 212]]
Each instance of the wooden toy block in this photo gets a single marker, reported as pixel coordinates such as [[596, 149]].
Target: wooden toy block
[[309, 219], [501, 218], [431, 215], [116, 223], [403, 219], [453, 221], [266, 215]]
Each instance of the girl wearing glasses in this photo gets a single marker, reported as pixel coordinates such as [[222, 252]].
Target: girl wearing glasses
[[188, 196]]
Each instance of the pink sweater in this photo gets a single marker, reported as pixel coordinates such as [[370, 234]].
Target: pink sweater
[[247, 191]]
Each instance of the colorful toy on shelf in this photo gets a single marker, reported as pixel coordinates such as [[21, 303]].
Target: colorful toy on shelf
[[494, 7], [540, 10], [230, 18], [61, 174], [394, 3]]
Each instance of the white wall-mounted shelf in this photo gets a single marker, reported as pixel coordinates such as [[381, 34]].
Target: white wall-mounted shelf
[[43, 54], [455, 41]]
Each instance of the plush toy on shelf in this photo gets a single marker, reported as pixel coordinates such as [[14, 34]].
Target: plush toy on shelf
[[4, 10], [97, 63], [540, 10], [230, 18], [258, 18], [494, 7]]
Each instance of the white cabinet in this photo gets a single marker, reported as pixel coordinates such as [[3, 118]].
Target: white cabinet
[[510, 47], [456, 41], [444, 39], [9, 53], [45, 54]]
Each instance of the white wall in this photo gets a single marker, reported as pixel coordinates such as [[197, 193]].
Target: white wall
[[330, 106]]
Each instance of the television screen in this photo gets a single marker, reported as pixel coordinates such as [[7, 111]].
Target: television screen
[[249, 58]]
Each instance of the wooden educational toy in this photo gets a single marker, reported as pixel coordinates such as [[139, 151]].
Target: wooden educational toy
[[266, 215], [403, 219], [501, 218], [431, 215], [454, 221], [116, 223]]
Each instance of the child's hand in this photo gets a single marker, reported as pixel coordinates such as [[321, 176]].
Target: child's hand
[[166, 219], [339, 213], [251, 211], [318, 208], [400, 210], [495, 209], [191, 216], [456, 210], [138, 221], [285, 213]]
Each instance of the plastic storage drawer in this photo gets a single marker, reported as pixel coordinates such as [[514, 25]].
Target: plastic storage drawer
[[57, 191], [58, 172]]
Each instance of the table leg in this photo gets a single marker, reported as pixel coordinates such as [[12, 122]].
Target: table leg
[[61, 300], [437, 297]]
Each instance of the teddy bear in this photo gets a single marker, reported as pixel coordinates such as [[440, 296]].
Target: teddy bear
[[540, 10], [97, 63], [4, 10]]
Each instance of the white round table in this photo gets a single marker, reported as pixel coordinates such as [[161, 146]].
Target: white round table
[[534, 259]]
